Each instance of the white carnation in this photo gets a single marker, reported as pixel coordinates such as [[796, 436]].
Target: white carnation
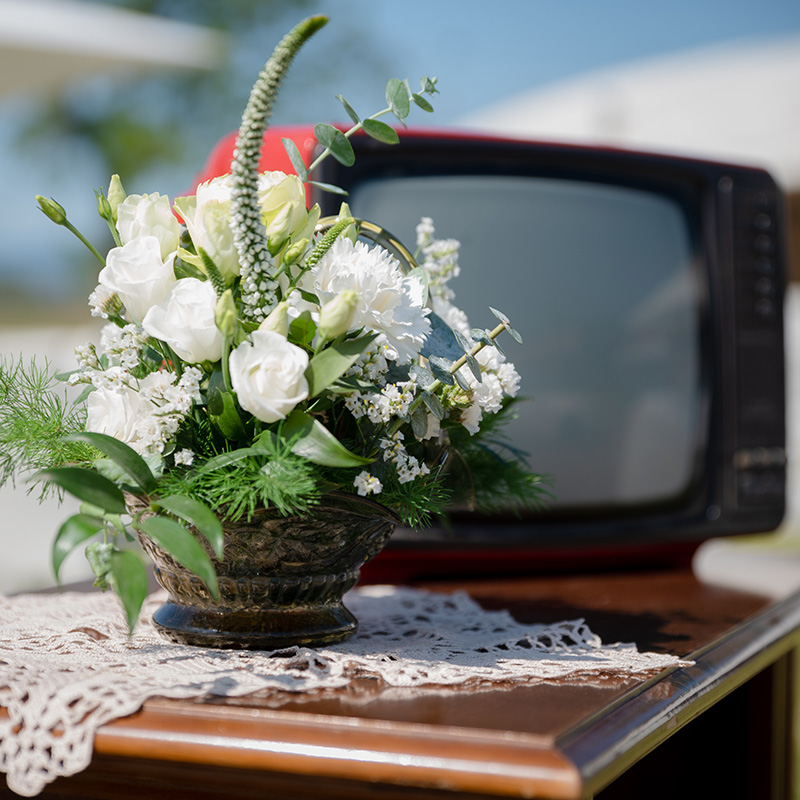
[[389, 302]]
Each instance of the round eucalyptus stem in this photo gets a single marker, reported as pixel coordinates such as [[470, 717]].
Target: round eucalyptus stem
[[454, 367]]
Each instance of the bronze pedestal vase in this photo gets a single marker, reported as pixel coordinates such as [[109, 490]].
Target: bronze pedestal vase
[[281, 580]]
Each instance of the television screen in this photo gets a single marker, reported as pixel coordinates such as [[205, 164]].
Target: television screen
[[602, 283]]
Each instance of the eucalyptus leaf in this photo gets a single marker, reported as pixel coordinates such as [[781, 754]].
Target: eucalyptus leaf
[[501, 316], [74, 532], [397, 98], [129, 581], [422, 375], [421, 102], [514, 335], [440, 367], [329, 187], [332, 362], [122, 455], [481, 335], [86, 485], [419, 421], [462, 340], [183, 547], [474, 367], [312, 440], [198, 514], [433, 404], [440, 341], [461, 381], [297, 160], [335, 141], [381, 131], [348, 108]]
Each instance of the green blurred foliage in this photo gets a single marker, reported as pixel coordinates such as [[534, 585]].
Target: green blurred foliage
[[173, 118]]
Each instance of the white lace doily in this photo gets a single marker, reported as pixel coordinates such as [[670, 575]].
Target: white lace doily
[[67, 665]]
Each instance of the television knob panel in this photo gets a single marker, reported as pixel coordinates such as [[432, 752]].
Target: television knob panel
[[760, 457]]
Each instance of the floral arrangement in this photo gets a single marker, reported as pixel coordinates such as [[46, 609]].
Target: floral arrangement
[[256, 355]]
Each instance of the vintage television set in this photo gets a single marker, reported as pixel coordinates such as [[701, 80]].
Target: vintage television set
[[649, 292]]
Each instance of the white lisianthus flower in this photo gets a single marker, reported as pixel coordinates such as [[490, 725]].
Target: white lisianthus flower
[[268, 375], [114, 411], [185, 321], [282, 199], [138, 274], [148, 215], [388, 302], [207, 215]]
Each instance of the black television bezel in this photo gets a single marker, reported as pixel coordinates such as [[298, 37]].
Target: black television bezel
[[717, 199]]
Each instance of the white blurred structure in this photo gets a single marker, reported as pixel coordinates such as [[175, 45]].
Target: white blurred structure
[[736, 102], [46, 45]]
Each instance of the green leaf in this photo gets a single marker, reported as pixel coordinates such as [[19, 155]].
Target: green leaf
[[397, 98], [87, 486], [303, 329], [309, 297], [349, 384], [224, 414], [381, 131], [421, 102], [461, 380], [348, 108], [226, 459], [500, 315], [329, 187], [434, 404], [474, 366], [462, 340], [183, 547], [312, 440], [121, 454], [481, 335], [422, 375], [74, 532], [129, 581], [335, 141], [297, 160], [197, 514], [440, 367], [419, 421], [332, 362]]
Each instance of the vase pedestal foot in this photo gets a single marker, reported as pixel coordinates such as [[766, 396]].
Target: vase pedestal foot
[[256, 628]]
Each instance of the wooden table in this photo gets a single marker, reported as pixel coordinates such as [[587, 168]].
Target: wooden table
[[720, 728]]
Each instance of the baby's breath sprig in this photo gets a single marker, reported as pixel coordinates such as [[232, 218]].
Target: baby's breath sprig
[[259, 287]]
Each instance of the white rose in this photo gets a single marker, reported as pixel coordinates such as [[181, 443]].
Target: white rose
[[139, 274], [185, 321], [148, 215], [207, 215], [114, 411], [268, 375]]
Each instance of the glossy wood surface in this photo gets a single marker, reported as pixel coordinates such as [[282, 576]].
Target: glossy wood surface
[[557, 740]]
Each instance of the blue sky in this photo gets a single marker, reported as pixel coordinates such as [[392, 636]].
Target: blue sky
[[481, 52]]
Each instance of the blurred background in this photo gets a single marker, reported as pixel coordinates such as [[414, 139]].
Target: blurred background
[[145, 88]]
